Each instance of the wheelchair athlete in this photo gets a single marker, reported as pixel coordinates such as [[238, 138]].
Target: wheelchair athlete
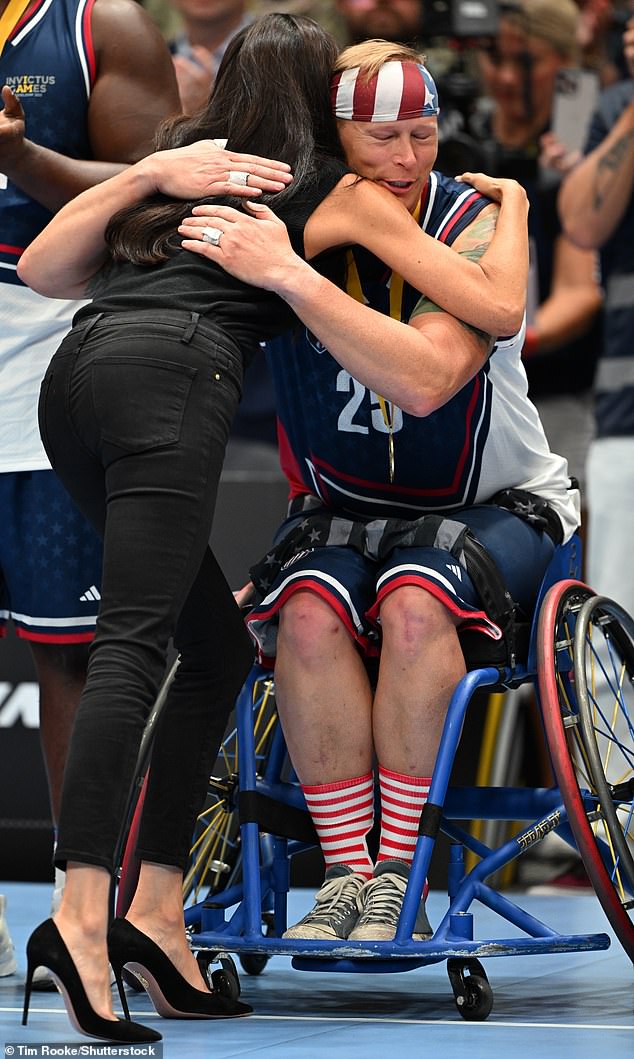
[[342, 583]]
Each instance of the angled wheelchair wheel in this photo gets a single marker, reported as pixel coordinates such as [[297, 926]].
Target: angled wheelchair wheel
[[215, 859], [585, 673]]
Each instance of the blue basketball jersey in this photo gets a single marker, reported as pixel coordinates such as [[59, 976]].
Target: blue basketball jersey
[[334, 433], [48, 60]]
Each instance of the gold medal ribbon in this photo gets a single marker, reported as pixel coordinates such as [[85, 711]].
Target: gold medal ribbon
[[397, 285]]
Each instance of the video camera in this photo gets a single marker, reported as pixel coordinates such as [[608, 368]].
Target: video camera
[[461, 18], [464, 24]]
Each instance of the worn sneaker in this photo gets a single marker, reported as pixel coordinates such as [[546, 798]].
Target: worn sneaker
[[335, 912], [8, 963], [380, 902]]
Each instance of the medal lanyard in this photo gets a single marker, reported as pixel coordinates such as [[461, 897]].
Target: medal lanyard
[[9, 20], [397, 285]]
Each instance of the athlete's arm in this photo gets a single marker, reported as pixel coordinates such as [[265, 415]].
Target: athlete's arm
[[595, 195], [574, 298], [135, 89], [66, 255], [418, 367], [488, 293]]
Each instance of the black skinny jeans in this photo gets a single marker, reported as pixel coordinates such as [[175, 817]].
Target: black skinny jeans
[[135, 410]]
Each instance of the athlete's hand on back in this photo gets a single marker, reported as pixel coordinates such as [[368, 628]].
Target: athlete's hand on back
[[493, 187], [12, 127]]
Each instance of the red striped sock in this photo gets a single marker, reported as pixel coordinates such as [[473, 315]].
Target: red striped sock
[[402, 800], [343, 814]]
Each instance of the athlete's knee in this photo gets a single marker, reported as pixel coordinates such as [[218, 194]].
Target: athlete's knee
[[411, 619], [309, 627], [63, 660]]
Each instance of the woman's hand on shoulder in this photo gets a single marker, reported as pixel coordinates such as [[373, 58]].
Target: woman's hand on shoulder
[[204, 169], [256, 248]]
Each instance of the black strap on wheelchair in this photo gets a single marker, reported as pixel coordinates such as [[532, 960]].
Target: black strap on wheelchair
[[490, 586], [275, 818], [533, 509], [429, 824]]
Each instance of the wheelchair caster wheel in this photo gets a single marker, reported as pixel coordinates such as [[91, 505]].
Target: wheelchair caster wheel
[[254, 962], [226, 980], [472, 992], [226, 983]]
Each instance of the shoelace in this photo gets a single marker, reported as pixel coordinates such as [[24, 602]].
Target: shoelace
[[377, 899], [332, 901]]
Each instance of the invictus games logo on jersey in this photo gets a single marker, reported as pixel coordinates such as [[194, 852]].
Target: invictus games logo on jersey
[[30, 84]]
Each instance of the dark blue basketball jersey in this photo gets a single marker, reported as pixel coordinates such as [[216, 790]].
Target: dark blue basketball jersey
[[49, 62], [335, 434]]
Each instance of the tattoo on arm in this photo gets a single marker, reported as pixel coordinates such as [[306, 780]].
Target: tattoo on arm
[[474, 253], [608, 169]]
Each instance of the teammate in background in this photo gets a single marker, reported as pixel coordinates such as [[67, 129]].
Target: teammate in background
[[84, 85]]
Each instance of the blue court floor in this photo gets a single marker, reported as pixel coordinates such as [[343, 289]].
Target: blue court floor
[[577, 1006]]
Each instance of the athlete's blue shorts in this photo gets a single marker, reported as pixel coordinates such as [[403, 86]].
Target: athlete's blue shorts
[[354, 586], [50, 561]]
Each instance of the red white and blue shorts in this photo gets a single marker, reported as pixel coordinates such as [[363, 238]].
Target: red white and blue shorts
[[355, 585], [50, 561]]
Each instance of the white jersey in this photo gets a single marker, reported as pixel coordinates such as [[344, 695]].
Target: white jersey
[[49, 62], [31, 329]]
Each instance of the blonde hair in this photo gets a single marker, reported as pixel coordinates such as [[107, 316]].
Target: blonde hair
[[553, 21], [371, 55]]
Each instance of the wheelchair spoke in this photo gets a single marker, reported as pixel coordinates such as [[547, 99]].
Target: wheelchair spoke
[[215, 854]]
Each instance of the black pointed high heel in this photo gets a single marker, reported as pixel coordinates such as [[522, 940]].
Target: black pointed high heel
[[172, 996], [46, 948]]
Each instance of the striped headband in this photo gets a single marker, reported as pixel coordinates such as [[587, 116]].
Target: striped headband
[[400, 90]]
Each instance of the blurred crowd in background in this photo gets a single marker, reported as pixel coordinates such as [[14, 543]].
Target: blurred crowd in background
[[518, 80]]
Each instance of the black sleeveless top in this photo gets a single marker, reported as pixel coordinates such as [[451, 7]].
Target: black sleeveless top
[[185, 281]]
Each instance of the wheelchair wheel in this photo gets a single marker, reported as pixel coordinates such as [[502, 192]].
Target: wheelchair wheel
[[215, 858], [585, 671]]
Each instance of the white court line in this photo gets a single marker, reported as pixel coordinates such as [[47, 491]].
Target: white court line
[[145, 1015], [446, 1022]]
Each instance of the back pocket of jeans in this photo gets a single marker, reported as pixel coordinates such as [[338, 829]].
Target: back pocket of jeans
[[139, 401]]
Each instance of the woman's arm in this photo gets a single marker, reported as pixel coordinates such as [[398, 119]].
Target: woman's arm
[[69, 252]]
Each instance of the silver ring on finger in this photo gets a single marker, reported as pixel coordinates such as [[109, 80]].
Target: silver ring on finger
[[238, 178], [212, 235]]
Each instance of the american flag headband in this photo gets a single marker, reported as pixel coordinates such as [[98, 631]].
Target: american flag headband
[[399, 91]]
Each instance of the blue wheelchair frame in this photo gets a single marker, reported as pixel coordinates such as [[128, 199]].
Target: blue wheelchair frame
[[231, 920]]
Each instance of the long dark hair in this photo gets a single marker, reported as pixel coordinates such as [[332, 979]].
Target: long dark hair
[[272, 98]]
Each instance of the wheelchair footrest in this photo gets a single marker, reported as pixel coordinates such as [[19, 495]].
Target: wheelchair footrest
[[345, 955]]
